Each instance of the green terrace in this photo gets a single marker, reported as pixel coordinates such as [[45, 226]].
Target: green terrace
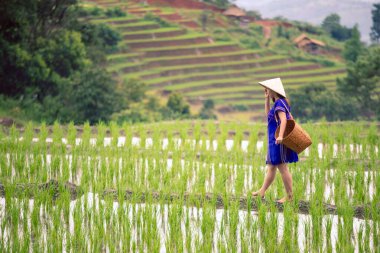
[[205, 67], [150, 31], [244, 81], [178, 38], [240, 101], [251, 88], [181, 59], [198, 46], [116, 19], [191, 60], [274, 68], [139, 23], [236, 73]]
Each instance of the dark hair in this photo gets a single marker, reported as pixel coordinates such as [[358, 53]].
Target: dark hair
[[282, 97]]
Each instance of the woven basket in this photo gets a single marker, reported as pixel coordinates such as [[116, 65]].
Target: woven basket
[[295, 137]]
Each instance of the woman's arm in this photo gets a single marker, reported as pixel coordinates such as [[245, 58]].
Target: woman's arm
[[283, 119], [267, 102]]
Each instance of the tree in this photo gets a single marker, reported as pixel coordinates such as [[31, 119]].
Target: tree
[[362, 80], [204, 18], [133, 90], [222, 3], [314, 101], [93, 97], [353, 47], [48, 61], [375, 29], [255, 14], [207, 110], [331, 24], [177, 104]]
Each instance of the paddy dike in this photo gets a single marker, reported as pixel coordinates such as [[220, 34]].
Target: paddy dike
[[55, 189]]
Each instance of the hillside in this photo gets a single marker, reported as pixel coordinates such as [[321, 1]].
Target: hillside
[[177, 56], [351, 11]]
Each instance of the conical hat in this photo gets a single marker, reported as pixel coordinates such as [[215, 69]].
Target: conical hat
[[274, 85]]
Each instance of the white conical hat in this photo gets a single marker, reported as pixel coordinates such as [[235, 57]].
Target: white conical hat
[[274, 85]]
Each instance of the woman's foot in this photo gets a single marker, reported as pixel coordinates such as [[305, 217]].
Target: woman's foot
[[258, 193], [284, 199]]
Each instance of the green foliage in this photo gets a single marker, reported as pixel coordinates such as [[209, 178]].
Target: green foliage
[[314, 101], [48, 62], [90, 11], [331, 24], [161, 22], [204, 18], [99, 39], [283, 32], [136, 113], [353, 47], [256, 29], [219, 3], [239, 107], [375, 29], [177, 104], [308, 28], [115, 12], [255, 14], [64, 52], [133, 90], [362, 81], [207, 110], [250, 43], [93, 97]]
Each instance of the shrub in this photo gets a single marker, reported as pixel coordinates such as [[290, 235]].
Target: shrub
[[115, 12]]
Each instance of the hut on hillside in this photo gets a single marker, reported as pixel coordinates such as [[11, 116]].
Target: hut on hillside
[[237, 13], [309, 45]]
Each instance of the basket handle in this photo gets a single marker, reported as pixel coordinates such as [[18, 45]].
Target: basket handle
[[287, 109], [291, 116]]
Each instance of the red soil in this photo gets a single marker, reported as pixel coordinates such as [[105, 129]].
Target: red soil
[[190, 24], [272, 23]]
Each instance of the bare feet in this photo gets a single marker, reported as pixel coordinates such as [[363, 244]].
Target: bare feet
[[284, 199], [258, 193]]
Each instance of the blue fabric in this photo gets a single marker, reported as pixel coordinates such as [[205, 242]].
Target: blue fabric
[[278, 153]]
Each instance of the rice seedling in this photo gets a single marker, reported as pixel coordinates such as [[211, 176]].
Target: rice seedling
[[184, 187]]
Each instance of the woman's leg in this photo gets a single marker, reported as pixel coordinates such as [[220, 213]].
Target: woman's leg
[[287, 179], [269, 177]]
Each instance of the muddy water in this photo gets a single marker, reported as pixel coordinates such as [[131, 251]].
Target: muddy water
[[195, 217]]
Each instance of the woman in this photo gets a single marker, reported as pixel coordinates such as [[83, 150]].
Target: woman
[[278, 155]]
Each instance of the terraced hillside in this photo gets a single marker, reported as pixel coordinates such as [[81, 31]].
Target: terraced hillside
[[183, 59]]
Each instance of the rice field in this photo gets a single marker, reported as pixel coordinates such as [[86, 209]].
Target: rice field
[[185, 187]]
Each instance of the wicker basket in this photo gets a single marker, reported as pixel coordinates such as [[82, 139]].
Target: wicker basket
[[295, 137]]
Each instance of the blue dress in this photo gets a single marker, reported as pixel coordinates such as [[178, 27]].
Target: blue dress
[[278, 153]]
